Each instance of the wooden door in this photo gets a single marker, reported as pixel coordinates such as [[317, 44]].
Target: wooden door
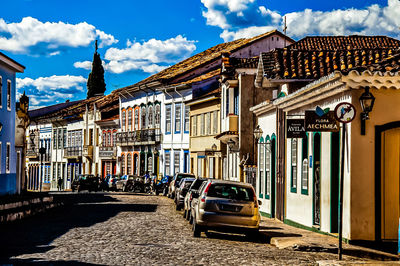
[[390, 199]]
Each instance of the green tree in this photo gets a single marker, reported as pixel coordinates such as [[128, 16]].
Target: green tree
[[95, 83]]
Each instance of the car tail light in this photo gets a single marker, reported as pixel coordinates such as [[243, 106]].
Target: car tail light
[[203, 199], [191, 197], [207, 188]]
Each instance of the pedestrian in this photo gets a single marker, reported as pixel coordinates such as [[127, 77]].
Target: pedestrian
[[59, 183]]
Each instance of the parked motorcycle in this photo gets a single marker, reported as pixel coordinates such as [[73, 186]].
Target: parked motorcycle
[[161, 186]]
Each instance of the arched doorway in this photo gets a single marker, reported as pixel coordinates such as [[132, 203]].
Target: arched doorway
[[317, 179], [387, 172]]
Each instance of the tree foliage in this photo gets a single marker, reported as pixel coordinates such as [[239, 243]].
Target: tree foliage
[[96, 84]]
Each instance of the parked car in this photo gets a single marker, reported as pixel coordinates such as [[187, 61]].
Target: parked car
[[120, 184], [86, 182], [112, 182], [175, 182], [181, 191], [187, 202], [226, 206]]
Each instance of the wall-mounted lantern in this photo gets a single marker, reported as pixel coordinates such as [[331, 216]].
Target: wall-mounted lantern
[[367, 101], [258, 133]]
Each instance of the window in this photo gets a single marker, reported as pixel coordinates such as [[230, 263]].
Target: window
[[226, 102], [293, 181], [60, 132], [90, 136], [187, 112], [200, 166], [208, 127], [215, 122], [1, 91], [1, 153], [304, 171], [211, 167], [129, 119], [202, 131], [137, 119], [9, 95], [194, 125], [123, 164], [261, 167], [177, 158], [105, 143], [64, 138], [55, 138], [123, 120], [143, 114], [129, 164], [54, 171], [58, 170], [267, 168], [109, 143], [167, 162], [150, 116], [236, 101], [177, 118], [158, 115], [168, 118]]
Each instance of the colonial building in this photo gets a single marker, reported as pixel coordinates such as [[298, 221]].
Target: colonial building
[[176, 85], [8, 156], [298, 177], [206, 152]]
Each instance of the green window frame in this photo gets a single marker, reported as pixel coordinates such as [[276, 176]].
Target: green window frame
[[293, 165], [305, 168]]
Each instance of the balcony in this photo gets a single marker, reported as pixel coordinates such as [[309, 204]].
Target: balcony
[[88, 151], [233, 123], [73, 152], [108, 152], [32, 154], [139, 137]]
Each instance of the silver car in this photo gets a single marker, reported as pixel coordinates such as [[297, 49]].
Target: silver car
[[226, 206]]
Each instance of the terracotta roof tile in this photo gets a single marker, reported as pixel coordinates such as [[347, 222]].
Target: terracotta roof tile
[[201, 59]]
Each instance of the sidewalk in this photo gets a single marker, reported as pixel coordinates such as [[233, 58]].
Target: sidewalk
[[285, 236]]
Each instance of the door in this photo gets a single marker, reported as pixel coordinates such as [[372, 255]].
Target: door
[[390, 184], [335, 160], [317, 180], [273, 176]]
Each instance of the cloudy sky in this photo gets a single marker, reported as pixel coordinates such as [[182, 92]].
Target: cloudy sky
[[54, 40]]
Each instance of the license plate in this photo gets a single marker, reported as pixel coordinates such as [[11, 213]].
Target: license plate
[[229, 208]]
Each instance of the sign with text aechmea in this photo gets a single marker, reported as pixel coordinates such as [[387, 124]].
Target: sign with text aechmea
[[295, 128], [322, 121]]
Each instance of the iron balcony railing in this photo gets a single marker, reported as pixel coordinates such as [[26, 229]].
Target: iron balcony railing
[[73, 152], [139, 137], [109, 152]]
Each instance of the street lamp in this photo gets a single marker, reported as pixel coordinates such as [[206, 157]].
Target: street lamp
[[214, 147], [32, 137], [231, 144], [367, 101], [258, 133]]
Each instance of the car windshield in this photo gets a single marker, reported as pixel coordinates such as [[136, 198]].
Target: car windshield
[[230, 191]]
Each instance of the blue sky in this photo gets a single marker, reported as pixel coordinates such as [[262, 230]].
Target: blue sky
[[54, 40]]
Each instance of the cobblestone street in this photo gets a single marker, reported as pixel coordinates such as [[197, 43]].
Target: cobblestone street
[[127, 229]]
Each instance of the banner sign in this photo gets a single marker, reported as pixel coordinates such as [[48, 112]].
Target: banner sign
[[321, 121], [295, 128]]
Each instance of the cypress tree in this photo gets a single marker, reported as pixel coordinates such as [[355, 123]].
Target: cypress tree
[[95, 83]]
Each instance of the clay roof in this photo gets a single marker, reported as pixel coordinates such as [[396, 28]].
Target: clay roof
[[201, 59], [208, 75], [49, 110], [294, 64], [352, 42]]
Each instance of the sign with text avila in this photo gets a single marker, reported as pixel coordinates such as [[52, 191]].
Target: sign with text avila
[[295, 128], [323, 123]]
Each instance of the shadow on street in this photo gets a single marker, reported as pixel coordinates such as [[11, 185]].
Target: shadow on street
[[34, 234]]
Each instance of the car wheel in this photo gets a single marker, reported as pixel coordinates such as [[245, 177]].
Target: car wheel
[[196, 229]]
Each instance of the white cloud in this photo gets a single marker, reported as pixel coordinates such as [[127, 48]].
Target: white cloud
[[150, 56], [44, 91], [247, 18], [35, 37]]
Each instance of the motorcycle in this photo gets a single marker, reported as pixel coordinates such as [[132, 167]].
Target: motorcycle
[[161, 186]]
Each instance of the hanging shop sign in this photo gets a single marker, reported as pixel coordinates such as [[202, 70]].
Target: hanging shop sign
[[322, 120], [345, 112], [295, 128]]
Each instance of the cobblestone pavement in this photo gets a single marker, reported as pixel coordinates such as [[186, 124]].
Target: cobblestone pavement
[[129, 229]]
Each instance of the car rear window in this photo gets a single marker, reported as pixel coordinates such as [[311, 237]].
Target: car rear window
[[229, 191], [188, 183], [197, 184]]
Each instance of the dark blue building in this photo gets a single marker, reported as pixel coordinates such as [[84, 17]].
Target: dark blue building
[[8, 155]]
